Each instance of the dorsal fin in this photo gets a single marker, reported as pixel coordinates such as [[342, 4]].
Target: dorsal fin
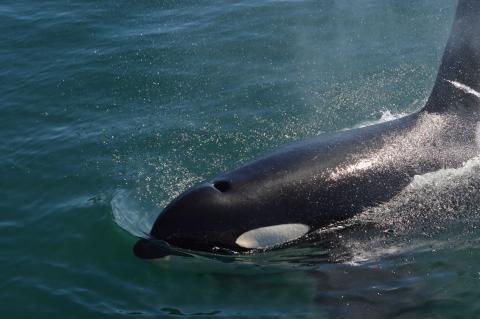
[[458, 80]]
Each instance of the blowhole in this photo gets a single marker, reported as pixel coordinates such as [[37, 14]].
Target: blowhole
[[222, 186]]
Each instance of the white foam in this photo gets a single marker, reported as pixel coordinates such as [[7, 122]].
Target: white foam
[[446, 176], [464, 88], [264, 237]]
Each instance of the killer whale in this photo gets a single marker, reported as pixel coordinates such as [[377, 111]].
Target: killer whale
[[286, 195]]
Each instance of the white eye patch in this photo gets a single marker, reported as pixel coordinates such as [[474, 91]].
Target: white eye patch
[[264, 237]]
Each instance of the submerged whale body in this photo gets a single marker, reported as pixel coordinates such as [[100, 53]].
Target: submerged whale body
[[308, 185]]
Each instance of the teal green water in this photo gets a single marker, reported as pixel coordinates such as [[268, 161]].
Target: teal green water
[[109, 109]]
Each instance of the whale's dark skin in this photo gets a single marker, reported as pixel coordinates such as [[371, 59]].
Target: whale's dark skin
[[333, 177]]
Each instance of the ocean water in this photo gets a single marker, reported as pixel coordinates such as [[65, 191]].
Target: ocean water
[[109, 109]]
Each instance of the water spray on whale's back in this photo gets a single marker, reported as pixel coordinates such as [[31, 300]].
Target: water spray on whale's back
[[436, 210]]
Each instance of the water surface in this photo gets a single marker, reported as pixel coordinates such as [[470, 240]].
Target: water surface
[[109, 109]]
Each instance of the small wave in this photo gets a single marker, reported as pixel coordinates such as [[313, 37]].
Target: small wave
[[129, 215], [386, 116]]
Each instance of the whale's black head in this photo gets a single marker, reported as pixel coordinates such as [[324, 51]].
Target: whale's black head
[[227, 215], [197, 219]]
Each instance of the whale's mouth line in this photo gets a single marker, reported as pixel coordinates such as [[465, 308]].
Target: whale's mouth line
[[153, 248]]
